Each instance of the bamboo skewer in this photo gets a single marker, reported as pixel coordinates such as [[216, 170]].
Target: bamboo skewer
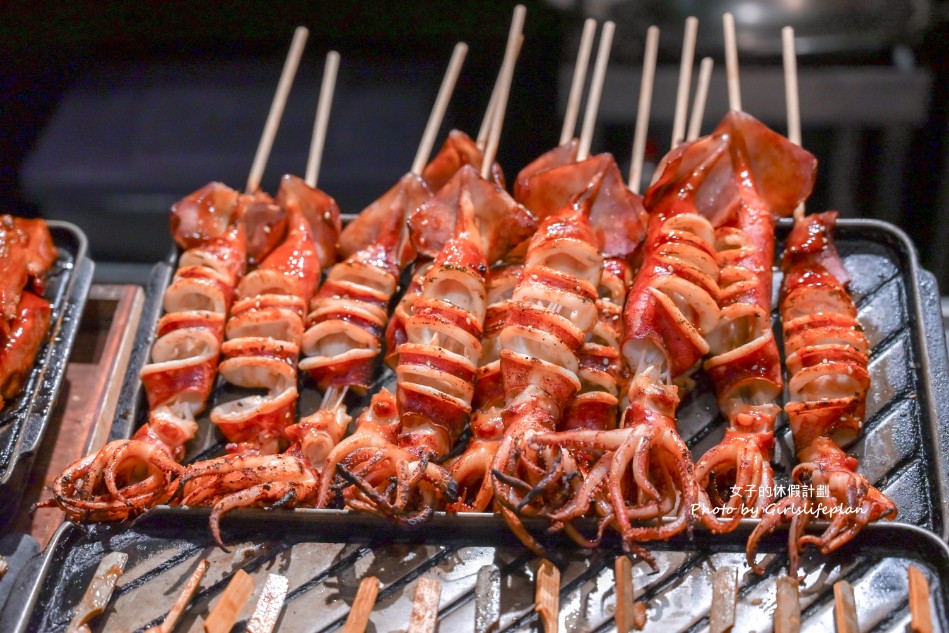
[[507, 74], [642, 112], [579, 78], [787, 612], [731, 62], [366, 596], [630, 614], [724, 597], [328, 86], [488, 119], [488, 599], [623, 572], [425, 607], [276, 109], [791, 95], [269, 605], [438, 111], [596, 90], [919, 606], [99, 592], [845, 608], [168, 624], [547, 597], [685, 80], [701, 96], [235, 596]]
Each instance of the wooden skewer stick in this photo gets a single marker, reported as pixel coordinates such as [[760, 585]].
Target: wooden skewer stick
[[625, 594], [792, 95], [366, 596], [547, 595], [642, 113], [441, 104], [425, 607], [99, 591], [485, 128], [235, 596], [919, 606], [701, 96], [724, 598], [489, 112], [488, 599], [276, 109], [731, 62], [168, 624], [507, 74], [269, 605], [579, 78], [327, 88], [845, 608], [685, 80], [790, 85], [787, 613], [596, 90]]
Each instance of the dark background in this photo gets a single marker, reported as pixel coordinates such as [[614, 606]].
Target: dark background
[[50, 50]]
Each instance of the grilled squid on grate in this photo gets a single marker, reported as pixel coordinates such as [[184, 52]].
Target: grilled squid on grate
[[552, 309], [744, 363], [129, 476], [827, 356], [438, 361]]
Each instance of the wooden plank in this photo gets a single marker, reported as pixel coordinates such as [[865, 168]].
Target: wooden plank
[[83, 413]]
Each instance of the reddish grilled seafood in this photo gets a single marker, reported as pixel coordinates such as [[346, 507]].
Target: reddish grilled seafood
[[604, 377], [472, 469], [265, 334], [745, 366], [645, 470], [347, 321], [437, 362], [552, 310], [19, 346], [26, 254], [827, 355], [129, 476], [263, 341], [554, 180], [459, 150]]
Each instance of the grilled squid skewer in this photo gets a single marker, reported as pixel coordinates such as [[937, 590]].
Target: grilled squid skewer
[[552, 310], [472, 469], [129, 476], [745, 366], [438, 361], [264, 336], [827, 357]]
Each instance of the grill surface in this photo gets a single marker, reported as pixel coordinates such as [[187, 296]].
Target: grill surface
[[326, 553]]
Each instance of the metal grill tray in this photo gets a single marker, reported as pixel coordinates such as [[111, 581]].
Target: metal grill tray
[[900, 451], [324, 570], [25, 418]]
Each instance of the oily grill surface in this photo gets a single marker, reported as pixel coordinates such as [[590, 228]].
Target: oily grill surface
[[325, 553]]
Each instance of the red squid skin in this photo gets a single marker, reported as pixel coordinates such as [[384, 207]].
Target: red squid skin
[[162, 387], [26, 333], [295, 260], [127, 477], [821, 419]]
